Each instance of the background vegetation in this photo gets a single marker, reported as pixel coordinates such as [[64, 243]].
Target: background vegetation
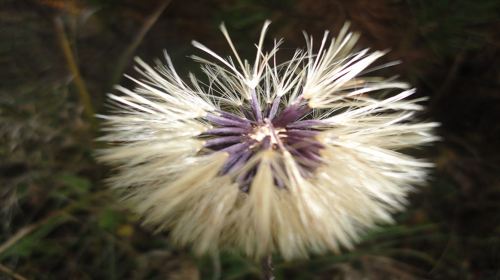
[[60, 57]]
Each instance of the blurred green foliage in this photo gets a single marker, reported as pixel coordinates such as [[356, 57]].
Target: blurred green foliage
[[450, 26]]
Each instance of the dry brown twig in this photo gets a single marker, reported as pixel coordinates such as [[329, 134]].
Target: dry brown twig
[[129, 51], [11, 273], [83, 93]]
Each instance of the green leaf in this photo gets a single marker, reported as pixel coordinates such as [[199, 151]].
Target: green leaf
[[75, 184], [110, 219]]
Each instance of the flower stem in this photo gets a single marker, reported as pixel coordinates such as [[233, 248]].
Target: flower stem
[[266, 264]]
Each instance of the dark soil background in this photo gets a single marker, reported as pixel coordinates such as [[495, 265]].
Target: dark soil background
[[59, 59]]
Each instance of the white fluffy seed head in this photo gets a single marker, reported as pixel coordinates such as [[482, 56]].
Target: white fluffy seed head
[[169, 176]]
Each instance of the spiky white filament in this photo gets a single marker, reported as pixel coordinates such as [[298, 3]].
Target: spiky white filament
[[169, 177]]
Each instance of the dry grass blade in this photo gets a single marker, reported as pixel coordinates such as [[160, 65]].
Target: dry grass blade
[[73, 68], [18, 236], [11, 273], [128, 53]]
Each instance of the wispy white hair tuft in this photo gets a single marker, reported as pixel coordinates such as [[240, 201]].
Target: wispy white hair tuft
[[296, 157]]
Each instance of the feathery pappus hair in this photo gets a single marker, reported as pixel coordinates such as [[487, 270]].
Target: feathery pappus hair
[[296, 157]]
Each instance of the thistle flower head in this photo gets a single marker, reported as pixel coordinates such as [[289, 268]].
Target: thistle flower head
[[296, 157]]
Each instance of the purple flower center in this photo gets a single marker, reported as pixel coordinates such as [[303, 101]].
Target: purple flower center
[[271, 128]]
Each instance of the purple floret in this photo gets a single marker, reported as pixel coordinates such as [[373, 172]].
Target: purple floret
[[242, 136]]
